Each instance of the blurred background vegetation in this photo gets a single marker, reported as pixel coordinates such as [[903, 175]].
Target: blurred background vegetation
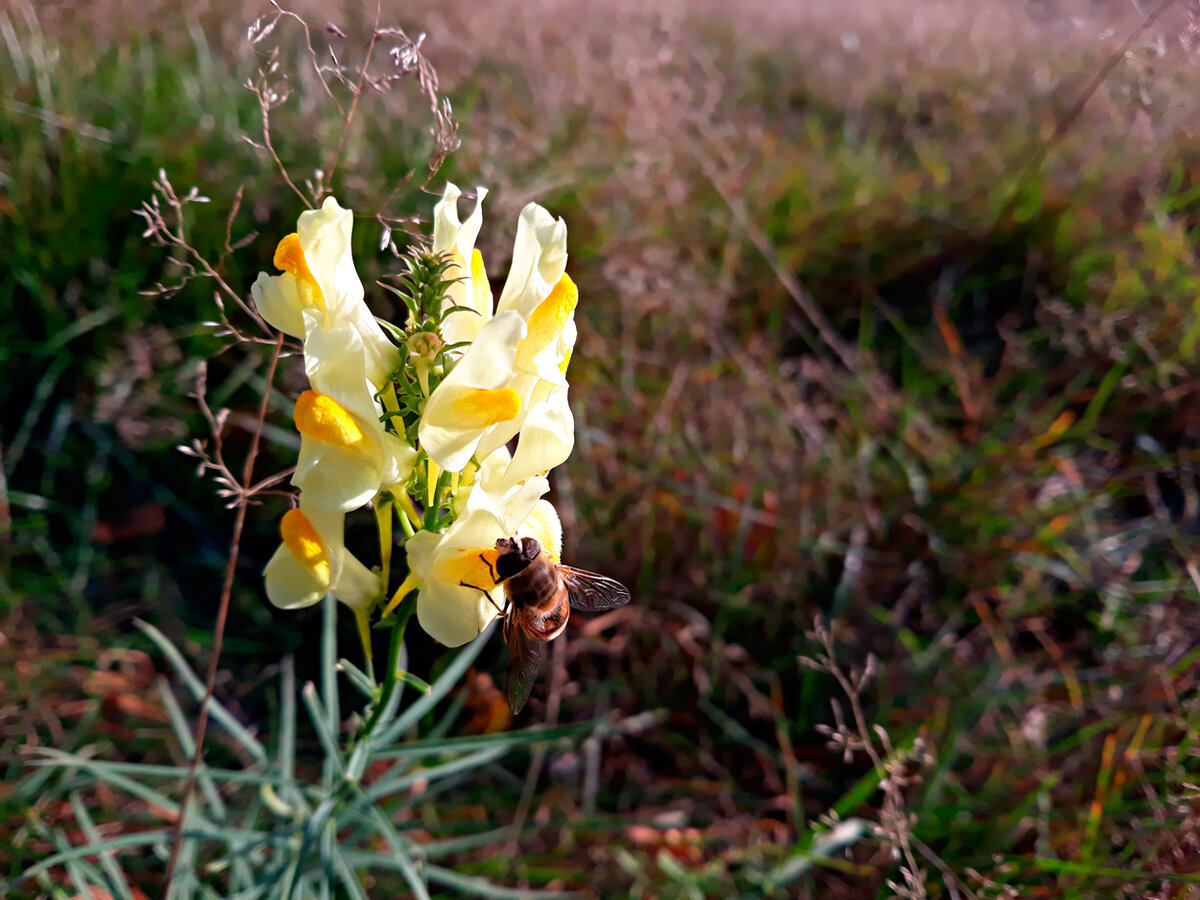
[[847, 347]]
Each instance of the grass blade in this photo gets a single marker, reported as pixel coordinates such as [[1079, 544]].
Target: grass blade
[[218, 712], [439, 689], [477, 887], [325, 730], [108, 862]]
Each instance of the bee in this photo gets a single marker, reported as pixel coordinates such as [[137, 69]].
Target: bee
[[539, 597]]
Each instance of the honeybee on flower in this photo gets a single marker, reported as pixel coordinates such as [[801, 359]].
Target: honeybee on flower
[[417, 421]]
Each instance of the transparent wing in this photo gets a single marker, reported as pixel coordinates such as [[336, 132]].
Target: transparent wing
[[524, 664], [590, 592]]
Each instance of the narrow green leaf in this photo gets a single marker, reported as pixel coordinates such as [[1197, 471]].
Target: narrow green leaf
[[391, 784], [346, 876], [358, 678], [141, 791], [822, 846], [446, 846], [140, 839], [329, 685], [439, 689], [325, 730], [524, 738], [57, 758], [287, 732], [183, 734], [115, 877], [477, 887], [193, 683]]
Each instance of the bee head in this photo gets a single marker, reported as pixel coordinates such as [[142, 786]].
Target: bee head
[[515, 555]]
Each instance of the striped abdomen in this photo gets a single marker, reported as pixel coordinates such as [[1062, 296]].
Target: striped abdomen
[[539, 599]]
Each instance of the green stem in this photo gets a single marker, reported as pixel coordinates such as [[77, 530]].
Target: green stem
[[431, 512], [403, 614]]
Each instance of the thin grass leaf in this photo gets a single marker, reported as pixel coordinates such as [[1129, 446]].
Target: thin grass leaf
[[390, 785], [386, 715], [83, 875], [477, 887], [394, 863], [115, 877], [329, 685], [439, 689], [414, 682], [98, 769], [219, 713], [401, 849], [251, 893], [823, 846], [1071, 867], [141, 839], [79, 878], [286, 754], [358, 678], [290, 873], [524, 738], [359, 759], [183, 734], [447, 720], [447, 846], [325, 730], [183, 887], [149, 770], [346, 876]]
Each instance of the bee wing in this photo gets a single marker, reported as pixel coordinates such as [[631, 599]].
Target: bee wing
[[590, 592], [524, 663]]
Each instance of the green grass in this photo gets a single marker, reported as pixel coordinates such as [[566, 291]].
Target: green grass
[[1010, 457]]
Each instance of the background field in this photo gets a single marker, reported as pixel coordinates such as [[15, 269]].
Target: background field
[[848, 346]]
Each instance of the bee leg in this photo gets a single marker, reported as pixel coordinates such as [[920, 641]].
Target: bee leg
[[491, 571], [485, 593]]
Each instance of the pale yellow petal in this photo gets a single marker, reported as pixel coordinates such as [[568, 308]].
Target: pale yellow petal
[[290, 584]]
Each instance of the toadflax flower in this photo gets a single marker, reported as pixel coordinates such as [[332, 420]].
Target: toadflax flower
[[313, 560], [541, 292], [475, 397], [470, 289], [346, 454], [455, 570], [319, 276], [514, 378]]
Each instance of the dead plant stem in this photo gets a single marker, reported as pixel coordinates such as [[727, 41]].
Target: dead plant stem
[[219, 628]]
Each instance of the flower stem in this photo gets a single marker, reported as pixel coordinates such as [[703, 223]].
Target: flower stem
[[403, 614], [436, 491]]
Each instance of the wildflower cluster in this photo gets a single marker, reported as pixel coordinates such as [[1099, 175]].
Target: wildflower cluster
[[417, 421]]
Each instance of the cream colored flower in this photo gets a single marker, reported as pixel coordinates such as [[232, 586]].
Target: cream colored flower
[[530, 376], [545, 431], [313, 561], [475, 397], [319, 275], [456, 569], [346, 454], [538, 263], [470, 289]]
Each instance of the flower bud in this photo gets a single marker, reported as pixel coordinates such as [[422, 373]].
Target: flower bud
[[424, 347]]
